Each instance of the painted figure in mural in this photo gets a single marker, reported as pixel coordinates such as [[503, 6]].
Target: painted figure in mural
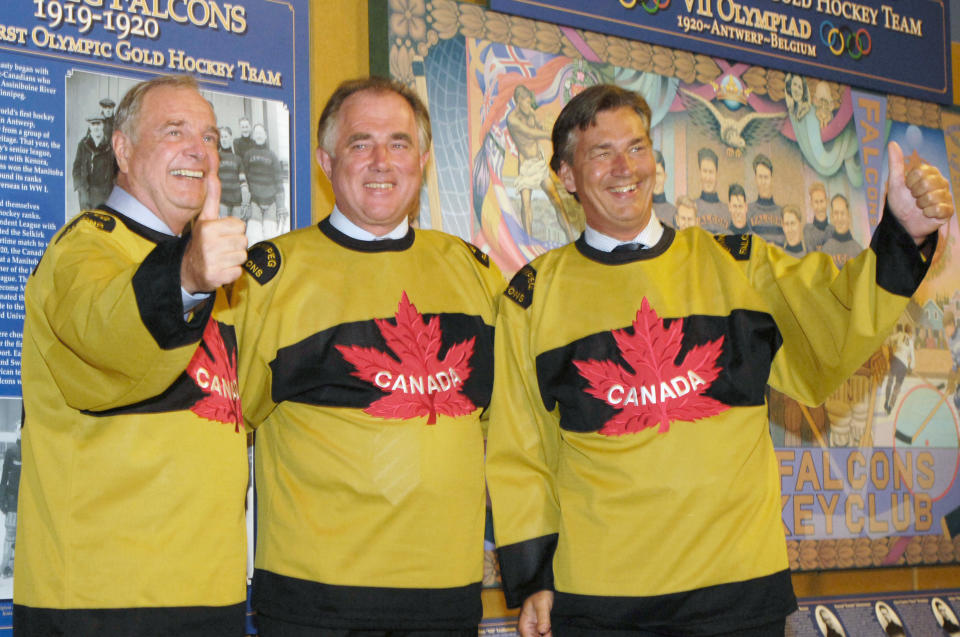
[[232, 179], [824, 104], [797, 96], [640, 491], [841, 246], [816, 233], [664, 210], [793, 231], [366, 367], [712, 214], [265, 175], [901, 362], [533, 172], [764, 215], [686, 216], [737, 204], [131, 511], [93, 165]]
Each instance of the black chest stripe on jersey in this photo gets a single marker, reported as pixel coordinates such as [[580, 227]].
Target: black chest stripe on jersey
[[313, 372], [750, 341], [184, 393]]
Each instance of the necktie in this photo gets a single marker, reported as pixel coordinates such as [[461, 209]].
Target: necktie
[[628, 247]]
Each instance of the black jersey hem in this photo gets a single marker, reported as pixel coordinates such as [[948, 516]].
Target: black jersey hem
[[724, 608], [183, 621], [901, 263], [367, 607]]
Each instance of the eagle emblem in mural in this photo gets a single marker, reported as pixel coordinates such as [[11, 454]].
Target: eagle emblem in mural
[[736, 134]]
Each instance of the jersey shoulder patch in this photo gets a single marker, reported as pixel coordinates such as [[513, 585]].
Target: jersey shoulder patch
[[99, 220], [263, 262], [520, 290], [478, 254], [738, 245]]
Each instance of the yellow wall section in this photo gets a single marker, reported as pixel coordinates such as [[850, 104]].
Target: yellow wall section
[[339, 47], [955, 71], [338, 52]]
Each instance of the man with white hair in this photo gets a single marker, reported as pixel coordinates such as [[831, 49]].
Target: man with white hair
[[131, 511]]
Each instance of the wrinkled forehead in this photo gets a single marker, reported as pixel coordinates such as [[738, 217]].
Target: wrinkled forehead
[[370, 113]]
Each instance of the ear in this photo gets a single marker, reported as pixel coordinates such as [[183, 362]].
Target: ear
[[424, 158], [122, 147], [325, 161], [566, 177]]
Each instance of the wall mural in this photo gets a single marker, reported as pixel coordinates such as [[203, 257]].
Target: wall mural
[[869, 477]]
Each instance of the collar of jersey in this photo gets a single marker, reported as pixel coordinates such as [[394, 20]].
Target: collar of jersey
[[384, 245], [618, 258]]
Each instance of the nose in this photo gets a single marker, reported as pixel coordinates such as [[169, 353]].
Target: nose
[[378, 156], [622, 164], [197, 147]]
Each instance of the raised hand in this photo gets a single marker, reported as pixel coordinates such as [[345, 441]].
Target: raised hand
[[919, 198], [217, 247]]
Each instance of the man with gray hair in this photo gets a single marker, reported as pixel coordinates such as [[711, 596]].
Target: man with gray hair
[[633, 480], [366, 368], [131, 512]]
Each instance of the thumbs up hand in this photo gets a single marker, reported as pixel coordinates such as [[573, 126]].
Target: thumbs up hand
[[217, 248], [918, 196]]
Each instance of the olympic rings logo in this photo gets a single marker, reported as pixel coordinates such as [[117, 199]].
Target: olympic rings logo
[[655, 5], [839, 39]]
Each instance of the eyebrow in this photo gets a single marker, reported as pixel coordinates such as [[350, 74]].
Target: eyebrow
[[609, 145], [180, 123], [363, 136]]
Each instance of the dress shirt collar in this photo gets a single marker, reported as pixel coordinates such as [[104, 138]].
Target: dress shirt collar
[[122, 201], [648, 237], [340, 221]]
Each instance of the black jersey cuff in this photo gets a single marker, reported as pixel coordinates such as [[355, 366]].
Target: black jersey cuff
[[901, 263], [156, 285], [526, 568]]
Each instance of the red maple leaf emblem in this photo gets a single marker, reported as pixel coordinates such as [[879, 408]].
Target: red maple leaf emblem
[[419, 383], [658, 390], [216, 375]]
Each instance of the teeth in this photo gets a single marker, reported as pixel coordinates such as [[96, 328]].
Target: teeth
[[629, 188], [378, 186], [183, 172]]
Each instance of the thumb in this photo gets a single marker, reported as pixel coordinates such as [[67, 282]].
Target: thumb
[[211, 203], [895, 158]]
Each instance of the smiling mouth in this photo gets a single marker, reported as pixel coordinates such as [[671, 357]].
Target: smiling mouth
[[377, 185], [183, 172], [622, 189]]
